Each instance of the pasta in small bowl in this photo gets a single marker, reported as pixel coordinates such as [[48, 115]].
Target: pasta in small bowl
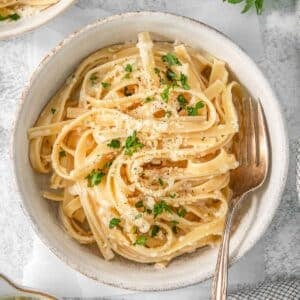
[[19, 16], [128, 149]]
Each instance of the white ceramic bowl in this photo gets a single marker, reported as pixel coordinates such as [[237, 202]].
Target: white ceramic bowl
[[50, 75], [10, 290], [28, 23]]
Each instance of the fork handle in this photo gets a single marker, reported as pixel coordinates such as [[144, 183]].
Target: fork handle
[[219, 287]]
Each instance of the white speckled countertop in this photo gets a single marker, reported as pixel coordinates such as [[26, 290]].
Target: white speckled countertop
[[280, 29]]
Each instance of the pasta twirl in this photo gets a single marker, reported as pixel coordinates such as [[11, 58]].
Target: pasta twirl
[[138, 142]]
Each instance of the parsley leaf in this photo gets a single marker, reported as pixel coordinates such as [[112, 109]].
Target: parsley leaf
[[171, 75], [165, 94], [168, 113], [183, 79], [161, 182], [128, 68], [259, 6], [13, 17], [161, 207], [94, 178], [132, 144], [148, 99], [108, 164], [93, 78], [173, 195], [181, 212], [249, 4], [114, 143], [53, 110], [157, 70], [193, 110], [182, 101], [114, 222], [141, 240], [155, 230], [105, 84], [171, 59]]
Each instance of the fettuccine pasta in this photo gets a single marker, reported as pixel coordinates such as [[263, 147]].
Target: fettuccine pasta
[[14, 9], [139, 145]]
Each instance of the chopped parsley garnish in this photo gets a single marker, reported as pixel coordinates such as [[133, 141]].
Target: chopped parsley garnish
[[161, 207], [94, 178], [62, 153], [138, 216], [128, 68], [173, 226], [181, 212], [114, 222], [183, 79], [161, 182], [108, 164], [149, 99], [165, 94], [141, 240], [157, 71], [132, 144], [13, 17], [94, 78], [139, 204], [114, 143], [171, 59], [171, 75], [105, 84], [182, 101], [193, 110], [172, 195], [155, 230], [53, 110], [168, 113]]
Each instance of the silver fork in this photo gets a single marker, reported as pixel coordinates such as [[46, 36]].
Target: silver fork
[[253, 155]]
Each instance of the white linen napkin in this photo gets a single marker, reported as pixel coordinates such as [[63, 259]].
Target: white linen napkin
[[46, 272]]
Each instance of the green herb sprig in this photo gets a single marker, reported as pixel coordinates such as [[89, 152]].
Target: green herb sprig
[[141, 240], [193, 110], [171, 60], [161, 207], [132, 144], [249, 4], [155, 230], [12, 17], [114, 143], [114, 222], [95, 177]]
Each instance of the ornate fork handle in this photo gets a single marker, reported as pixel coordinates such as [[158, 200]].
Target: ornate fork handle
[[219, 288]]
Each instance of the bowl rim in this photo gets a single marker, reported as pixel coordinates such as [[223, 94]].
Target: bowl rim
[[266, 84], [26, 291], [11, 34]]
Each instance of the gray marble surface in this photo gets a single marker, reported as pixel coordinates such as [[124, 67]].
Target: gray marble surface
[[280, 30]]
